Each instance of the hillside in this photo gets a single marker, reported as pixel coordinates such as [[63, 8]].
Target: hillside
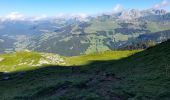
[[142, 76], [99, 56], [27, 60]]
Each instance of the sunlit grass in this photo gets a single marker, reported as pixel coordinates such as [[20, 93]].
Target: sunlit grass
[[100, 56], [21, 61]]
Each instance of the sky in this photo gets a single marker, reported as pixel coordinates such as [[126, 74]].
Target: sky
[[11, 8]]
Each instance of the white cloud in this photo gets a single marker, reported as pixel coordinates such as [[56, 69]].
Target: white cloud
[[165, 3], [20, 17], [15, 16], [162, 4], [118, 8], [36, 18], [78, 16]]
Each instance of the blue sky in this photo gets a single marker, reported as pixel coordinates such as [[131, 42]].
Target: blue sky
[[54, 7]]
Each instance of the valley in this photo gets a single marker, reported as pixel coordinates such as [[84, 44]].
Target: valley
[[85, 50], [74, 36]]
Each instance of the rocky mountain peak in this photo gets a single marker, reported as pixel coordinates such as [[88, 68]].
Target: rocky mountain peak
[[159, 11], [130, 14]]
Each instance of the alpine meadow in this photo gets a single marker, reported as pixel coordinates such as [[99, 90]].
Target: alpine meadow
[[85, 50]]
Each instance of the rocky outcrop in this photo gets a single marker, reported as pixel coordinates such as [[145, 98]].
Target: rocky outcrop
[[1, 59]]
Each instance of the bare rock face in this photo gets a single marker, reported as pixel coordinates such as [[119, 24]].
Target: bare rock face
[[159, 11], [51, 59], [130, 14], [134, 13]]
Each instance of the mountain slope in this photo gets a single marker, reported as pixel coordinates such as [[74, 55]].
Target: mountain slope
[[27, 60], [142, 76]]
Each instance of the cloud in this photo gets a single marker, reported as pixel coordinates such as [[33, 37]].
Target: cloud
[[15, 16], [80, 15], [165, 3], [36, 18], [67, 16], [118, 8], [162, 4]]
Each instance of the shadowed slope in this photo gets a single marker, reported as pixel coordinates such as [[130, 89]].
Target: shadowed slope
[[143, 76]]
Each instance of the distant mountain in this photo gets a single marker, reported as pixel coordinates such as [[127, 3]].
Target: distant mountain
[[77, 35], [134, 13]]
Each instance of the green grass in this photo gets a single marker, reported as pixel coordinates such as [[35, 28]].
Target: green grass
[[158, 26], [23, 60], [100, 56], [20, 61], [100, 26], [96, 44], [141, 76], [11, 61]]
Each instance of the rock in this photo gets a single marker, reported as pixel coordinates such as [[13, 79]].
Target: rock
[[6, 78], [1, 59], [42, 61], [51, 59]]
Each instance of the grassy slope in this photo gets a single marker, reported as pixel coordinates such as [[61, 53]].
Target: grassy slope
[[29, 60], [23, 60], [101, 56], [143, 76], [98, 26], [159, 26], [10, 61]]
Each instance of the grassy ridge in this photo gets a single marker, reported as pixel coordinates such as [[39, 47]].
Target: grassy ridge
[[30, 60], [20, 61], [13, 61]]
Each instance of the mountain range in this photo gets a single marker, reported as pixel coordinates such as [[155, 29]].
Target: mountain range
[[75, 35]]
